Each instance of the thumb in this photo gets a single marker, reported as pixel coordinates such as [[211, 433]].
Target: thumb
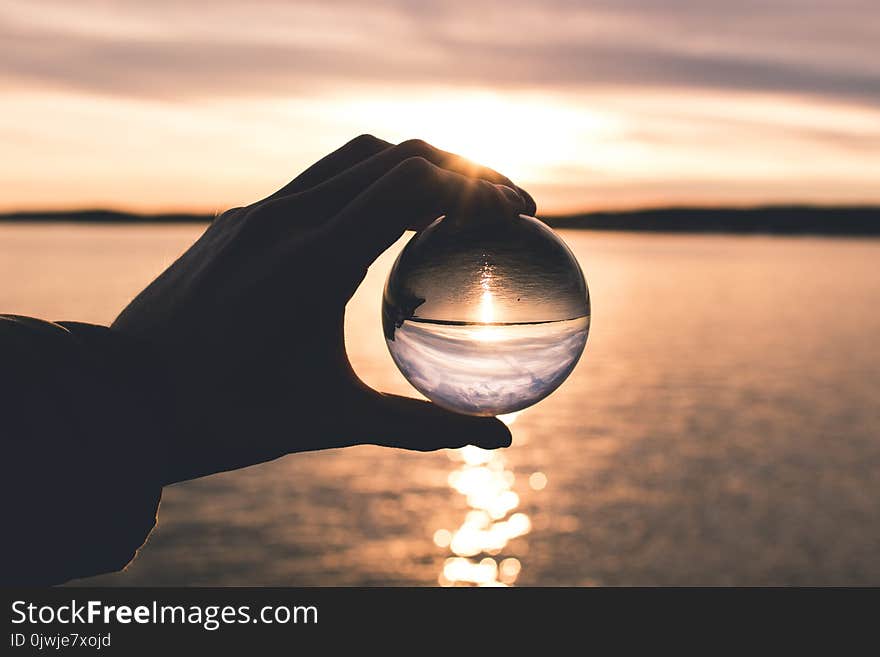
[[395, 421]]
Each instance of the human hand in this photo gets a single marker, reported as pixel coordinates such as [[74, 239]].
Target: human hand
[[248, 323]]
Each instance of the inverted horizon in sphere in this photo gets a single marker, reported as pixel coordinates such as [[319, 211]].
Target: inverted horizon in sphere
[[486, 318], [488, 369]]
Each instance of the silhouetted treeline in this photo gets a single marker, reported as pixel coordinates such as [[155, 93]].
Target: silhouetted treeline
[[817, 220], [106, 217], [794, 219]]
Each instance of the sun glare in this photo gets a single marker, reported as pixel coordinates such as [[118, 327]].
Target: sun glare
[[487, 308], [487, 311], [524, 135], [479, 544], [487, 332]]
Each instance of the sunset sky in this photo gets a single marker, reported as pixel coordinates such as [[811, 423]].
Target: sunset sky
[[198, 105]]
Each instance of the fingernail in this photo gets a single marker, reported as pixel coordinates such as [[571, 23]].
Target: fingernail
[[530, 204], [513, 196]]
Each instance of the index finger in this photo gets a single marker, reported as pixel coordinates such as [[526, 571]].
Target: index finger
[[410, 197]]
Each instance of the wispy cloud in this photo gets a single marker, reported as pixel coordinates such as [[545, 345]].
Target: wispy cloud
[[265, 48], [808, 57]]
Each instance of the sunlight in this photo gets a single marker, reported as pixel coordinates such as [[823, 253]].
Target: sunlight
[[487, 316], [526, 135], [572, 151], [487, 308], [490, 524], [509, 418], [486, 311]]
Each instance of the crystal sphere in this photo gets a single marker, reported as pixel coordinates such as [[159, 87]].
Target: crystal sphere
[[486, 317]]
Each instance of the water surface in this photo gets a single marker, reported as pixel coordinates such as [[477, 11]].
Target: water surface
[[721, 428]]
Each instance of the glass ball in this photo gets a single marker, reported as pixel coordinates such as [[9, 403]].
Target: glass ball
[[486, 317]]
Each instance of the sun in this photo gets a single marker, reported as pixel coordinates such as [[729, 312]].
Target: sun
[[480, 131], [487, 312], [487, 308], [516, 137], [526, 136], [485, 331]]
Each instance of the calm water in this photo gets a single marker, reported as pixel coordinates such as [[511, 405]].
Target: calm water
[[721, 428]]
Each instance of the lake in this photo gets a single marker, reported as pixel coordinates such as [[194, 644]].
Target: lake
[[722, 427]]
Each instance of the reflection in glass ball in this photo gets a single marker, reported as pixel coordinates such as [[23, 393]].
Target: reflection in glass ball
[[486, 317]]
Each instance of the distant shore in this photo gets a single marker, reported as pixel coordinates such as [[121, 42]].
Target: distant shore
[[775, 219]]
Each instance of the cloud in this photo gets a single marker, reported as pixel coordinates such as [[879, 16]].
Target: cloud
[[514, 367], [599, 103], [196, 49]]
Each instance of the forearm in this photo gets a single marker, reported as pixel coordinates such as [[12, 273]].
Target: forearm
[[84, 421]]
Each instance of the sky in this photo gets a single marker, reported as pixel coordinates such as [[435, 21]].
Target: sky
[[200, 105]]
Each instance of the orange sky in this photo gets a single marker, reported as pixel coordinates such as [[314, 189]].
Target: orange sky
[[197, 105]]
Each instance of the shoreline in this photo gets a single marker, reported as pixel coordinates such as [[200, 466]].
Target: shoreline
[[856, 221]]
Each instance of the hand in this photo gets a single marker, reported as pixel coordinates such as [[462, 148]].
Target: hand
[[248, 323]]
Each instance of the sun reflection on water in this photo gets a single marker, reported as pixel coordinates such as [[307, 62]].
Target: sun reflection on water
[[490, 524], [487, 311]]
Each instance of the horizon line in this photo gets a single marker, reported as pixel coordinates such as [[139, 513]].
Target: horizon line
[[584, 212]]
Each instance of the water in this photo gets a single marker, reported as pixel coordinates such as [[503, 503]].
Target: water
[[488, 369], [720, 428]]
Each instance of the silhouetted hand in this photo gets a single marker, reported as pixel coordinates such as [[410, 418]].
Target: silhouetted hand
[[248, 323]]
